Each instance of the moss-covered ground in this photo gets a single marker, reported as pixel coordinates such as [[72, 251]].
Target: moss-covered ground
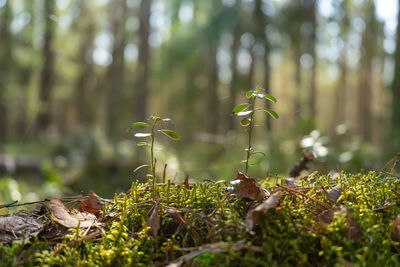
[[205, 222]]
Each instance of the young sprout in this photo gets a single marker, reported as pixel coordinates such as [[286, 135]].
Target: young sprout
[[152, 123], [246, 112]]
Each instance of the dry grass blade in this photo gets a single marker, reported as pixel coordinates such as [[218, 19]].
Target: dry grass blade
[[306, 196]]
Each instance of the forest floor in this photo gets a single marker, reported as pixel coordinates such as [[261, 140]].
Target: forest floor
[[316, 220]]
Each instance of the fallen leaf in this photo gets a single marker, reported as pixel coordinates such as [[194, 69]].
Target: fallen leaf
[[245, 187], [334, 193], [154, 219], [396, 228], [20, 227], [254, 215], [71, 219], [352, 231], [92, 203], [387, 204]]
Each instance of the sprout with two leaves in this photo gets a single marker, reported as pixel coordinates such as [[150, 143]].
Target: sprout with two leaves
[[246, 112], [153, 121]]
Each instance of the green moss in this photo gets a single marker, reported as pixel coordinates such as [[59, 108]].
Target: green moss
[[288, 235]]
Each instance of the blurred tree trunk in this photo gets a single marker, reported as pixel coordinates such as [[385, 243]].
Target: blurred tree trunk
[[339, 109], [142, 90], [115, 72], [47, 73], [233, 87], [250, 75], [261, 22], [297, 81], [212, 91], [365, 73], [5, 62], [84, 85], [313, 39], [396, 87]]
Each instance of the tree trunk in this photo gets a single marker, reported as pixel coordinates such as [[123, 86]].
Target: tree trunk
[[212, 92], [47, 74], [115, 72], [5, 60], [84, 87], [233, 87], [365, 78], [140, 102], [339, 109], [297, 81], [396, 87], [313, 84], [261, 22]]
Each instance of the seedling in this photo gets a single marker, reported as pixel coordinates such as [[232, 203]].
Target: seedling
[[152, 123], [246, 111]]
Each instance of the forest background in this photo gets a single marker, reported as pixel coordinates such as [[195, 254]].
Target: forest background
[[75, 75]]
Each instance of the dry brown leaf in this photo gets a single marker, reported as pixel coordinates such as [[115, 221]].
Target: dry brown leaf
[[92, 203], [387, 204], [334, 193], [154, 219], [396, 228], [70, 219], [245, 187], [20, 227], [353, 230], [254, 215]]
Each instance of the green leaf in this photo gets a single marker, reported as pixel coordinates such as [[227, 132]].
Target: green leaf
[[249, 93], [258, 152], [140, 167], [270, 98], [169, 121], [142, 144], [244, 113], [245, 122], [270, 112], [240, 108], [171, 134], [257, 88], [142, 134], [137, 124], [266, 96]]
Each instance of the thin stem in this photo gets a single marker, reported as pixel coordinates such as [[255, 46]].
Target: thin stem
[[153, 160], [250, 131]]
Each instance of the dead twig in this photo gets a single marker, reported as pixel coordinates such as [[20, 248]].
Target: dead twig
[[302, 164]]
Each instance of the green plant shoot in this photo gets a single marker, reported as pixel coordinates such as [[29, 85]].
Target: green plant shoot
[[246, 111], [152, 123]]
